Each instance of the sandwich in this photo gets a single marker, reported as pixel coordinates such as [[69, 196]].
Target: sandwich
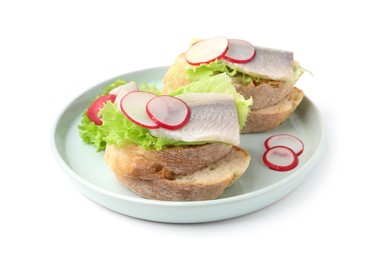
[[265, 74], [183, 146]]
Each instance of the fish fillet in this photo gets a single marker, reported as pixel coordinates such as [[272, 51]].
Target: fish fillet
[[267, 64], [213, 118]]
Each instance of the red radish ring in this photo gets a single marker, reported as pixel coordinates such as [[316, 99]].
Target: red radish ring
[[240, 51], [280, 158], [96, 106], [133, 106], [290, 141], [123, 90], [168, 112], [206, 51]]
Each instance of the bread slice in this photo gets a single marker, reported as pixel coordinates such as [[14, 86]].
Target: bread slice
[[134, 161], [204, 184], [264, 94], [264, 119]]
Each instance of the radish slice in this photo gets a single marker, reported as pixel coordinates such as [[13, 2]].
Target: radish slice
[[280, 158], [287, 140], [123, 91], [208, 50], [168, 112], [240, 51], [133, 105], [96, 106]]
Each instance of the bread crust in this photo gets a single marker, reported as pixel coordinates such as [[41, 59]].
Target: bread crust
[[264, 119], [134, 161], [205, 184], [175, 76], [264, 94]]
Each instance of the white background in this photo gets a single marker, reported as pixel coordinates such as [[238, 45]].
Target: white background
[[52, 51]]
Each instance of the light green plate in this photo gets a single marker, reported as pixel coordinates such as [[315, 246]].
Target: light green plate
[[258, 188]]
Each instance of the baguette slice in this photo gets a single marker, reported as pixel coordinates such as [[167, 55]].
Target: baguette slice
[[264, 119], [205, 184], [135, 161]]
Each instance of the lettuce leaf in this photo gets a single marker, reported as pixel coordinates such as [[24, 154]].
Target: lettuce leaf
[[298, 71], [220, 83], [118, 130], [195, 73], [91, 133], [150, 88]]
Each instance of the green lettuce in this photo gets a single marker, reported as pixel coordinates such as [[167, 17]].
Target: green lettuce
[[195, 73], [91, 133], [150, 88], [118, 130], [298, 71]]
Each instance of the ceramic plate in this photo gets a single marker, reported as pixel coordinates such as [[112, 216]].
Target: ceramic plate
[[258, 188]]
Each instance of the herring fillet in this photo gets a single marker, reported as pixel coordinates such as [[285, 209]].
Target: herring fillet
[[213, 118], [268, 63]]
